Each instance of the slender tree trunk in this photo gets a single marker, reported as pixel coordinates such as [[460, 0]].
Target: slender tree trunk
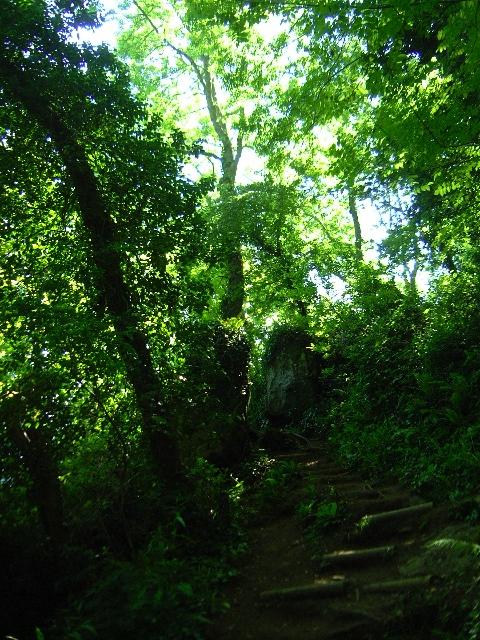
[[233, 355], [352, 207], [235, 398], [232, 303], [413, 277], [42, 469], [233, 351], [111, 282]]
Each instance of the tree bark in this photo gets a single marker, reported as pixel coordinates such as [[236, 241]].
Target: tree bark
[[43, 473], [232, 303], [27, 91], [234, 298], [352, 207]]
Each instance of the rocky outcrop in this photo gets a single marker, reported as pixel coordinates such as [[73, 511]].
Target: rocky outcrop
[[292, 371]]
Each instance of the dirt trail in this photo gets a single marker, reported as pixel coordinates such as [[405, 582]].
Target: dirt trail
[[355, 590]]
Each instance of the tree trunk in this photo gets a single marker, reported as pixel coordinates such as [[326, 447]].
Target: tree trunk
[[233, 352], [43, 473], [232, 303], [111, 282], [352, 207]]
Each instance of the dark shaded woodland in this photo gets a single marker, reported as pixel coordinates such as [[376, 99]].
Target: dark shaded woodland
[[192, 286]]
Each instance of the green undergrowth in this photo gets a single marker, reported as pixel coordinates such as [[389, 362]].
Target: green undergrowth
[[170, 585], [158, 592], [320, 512], [449, 610], [403, 376], [439, 468], [274, 482]]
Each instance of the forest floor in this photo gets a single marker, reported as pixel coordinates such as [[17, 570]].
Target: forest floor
[[375, 572]]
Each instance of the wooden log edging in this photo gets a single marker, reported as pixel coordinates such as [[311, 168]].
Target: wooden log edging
[[360, 493], [384, 517], [317, 589], [339, 587], [352, 556], [394, 586]]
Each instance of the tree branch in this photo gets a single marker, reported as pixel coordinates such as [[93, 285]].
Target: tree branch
[[180, 52], [229, 159], [209, 154], [240, 148]]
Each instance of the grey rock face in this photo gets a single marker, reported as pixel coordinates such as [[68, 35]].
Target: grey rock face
[[291, 376]]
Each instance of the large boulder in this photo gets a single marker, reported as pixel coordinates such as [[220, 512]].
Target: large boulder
[[292, 371]]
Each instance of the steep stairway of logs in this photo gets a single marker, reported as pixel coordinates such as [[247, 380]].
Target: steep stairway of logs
[[355, 589]]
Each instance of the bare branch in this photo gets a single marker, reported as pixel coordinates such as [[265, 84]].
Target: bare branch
[[180, 52], [230, 158], [209, 154]]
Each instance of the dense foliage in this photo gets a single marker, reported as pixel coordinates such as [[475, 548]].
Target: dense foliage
[[169, 209]]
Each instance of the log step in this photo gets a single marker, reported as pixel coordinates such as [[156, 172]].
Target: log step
[[350, 485], [356, 629], [328, 470], [333, 588], [378, 505], [359, 493], [357, 556], [338, 478], [293, 455], [317, 589], [386, 517], [395, 586]]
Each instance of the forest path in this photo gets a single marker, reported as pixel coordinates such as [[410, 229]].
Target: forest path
[[356, 588]]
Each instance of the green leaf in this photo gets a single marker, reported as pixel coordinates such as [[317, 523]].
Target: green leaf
[[186, 589]]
